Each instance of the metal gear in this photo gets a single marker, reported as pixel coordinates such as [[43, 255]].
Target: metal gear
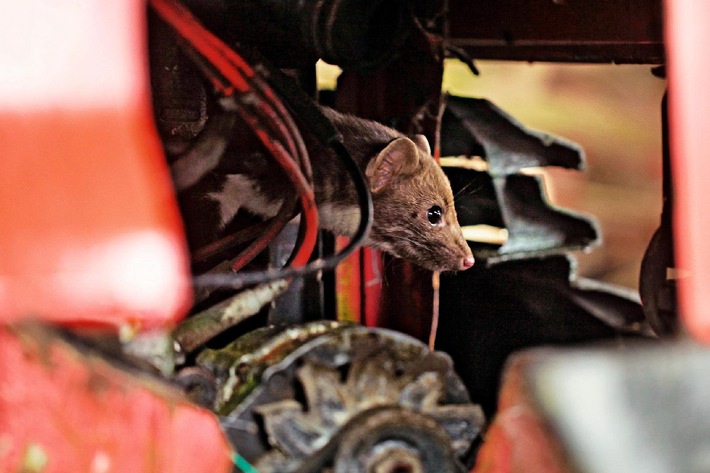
[[395, 440], [357, 399]]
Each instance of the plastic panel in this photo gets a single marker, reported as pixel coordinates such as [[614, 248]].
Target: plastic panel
[[90, 231]]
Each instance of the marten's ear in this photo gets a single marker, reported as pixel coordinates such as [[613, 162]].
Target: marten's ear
[[422, 143], [399, 158]]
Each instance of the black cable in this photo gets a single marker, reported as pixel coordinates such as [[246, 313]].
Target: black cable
[[463, 56], [327, 134], [308, 114], [239, 280]]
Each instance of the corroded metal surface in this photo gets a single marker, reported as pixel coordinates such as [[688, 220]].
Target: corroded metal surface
[[307, 386], [65, 406], [511, 199]]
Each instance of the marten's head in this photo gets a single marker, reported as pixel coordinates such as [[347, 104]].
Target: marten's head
[[414, 215]]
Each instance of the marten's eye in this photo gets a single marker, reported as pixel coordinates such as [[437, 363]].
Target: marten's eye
[[434, 215]]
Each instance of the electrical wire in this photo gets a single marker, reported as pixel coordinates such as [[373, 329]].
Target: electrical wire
[[239, 280], [286, 213], [324, 131], [241, 463], [270, 233], [238, 74], [225, 243], [303, 189], [229, 73]]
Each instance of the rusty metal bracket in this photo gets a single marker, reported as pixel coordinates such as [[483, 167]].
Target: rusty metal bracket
[[477, 127]]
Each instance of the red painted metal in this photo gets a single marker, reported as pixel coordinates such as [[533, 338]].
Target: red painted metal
[[348, 286], [90, 232], [358, 282], [64, 410], [407, 303], [519, 440], [687, 40]]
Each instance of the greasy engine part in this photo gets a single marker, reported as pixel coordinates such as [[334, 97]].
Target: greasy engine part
[[244, 89], [527, 293], [298, 399], [487, 313], [350, 33], [392, 440], [178, 93], [198, 384], [509, 146], [657, 283], [657, 280], [476, 127], [205, 325]]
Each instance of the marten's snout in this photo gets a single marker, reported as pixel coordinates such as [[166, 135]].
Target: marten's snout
[[466, 263], [459, 251]]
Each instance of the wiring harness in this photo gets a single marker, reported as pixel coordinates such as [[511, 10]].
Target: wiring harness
[[247, 92]]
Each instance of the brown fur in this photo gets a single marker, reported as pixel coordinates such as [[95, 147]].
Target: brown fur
[[405, 182]]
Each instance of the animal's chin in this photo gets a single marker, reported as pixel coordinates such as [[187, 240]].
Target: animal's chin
[[442, 264], [449, 267], [446, 269], [430, 266], [435, 267], [442, 268]]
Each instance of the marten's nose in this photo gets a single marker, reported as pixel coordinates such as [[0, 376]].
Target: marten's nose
[[467, 262]]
